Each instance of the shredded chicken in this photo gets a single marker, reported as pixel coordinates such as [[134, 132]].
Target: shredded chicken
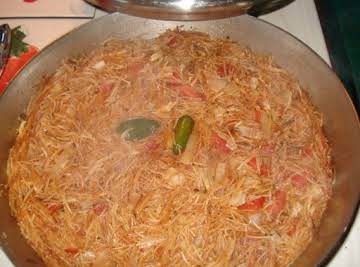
[[249, 190]]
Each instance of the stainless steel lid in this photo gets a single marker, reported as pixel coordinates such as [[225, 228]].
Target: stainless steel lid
[[189, 9]]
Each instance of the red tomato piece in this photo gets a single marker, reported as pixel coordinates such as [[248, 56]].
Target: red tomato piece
[[279, 203], [176, 83], [107, 87], [176, 75], [174, 80], [99, 208], [299, 181], [221, 71], [255, 204], [188, 91], [253, 163], [257, 116], [264, 170], [172, 42], [72, 251], [308, 151], [152, 145], [292, 230], [54, 208], [219, 143], [225, 70]]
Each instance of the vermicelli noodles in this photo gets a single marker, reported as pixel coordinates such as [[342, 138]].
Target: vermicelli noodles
[[249, 188]]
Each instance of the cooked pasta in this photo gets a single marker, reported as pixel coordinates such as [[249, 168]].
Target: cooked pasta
[[180, 150]]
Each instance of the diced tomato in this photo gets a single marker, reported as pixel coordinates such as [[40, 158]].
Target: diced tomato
[[279, 202], [225, 69], [253, 163], [264, 170], [221, 71], [54, 208], [230, 177], [188, 91], [107, 87], [257, 116], [173, 84], [299, 181], [219, 143], [176, 75], [308, 151], [176, 83], [174, 80], [292, 230], [72, 251], [159, 251], [135, 67], [172, 42], [255, 204], [152, 145], [99, 208]]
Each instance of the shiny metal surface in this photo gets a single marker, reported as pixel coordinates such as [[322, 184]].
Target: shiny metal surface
[[176, 9], [5, 39], [189, 9], [326, 91]]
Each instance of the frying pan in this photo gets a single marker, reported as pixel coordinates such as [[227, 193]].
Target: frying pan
[[326, 92]]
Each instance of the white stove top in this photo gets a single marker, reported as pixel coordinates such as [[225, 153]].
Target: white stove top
[[299, 18]]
